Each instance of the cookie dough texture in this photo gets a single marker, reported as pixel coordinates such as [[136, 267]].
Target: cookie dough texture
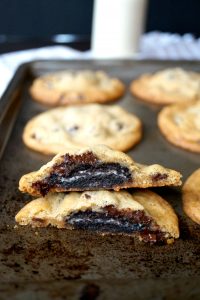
[[191, 196], [58, 129], [55, 208], [173, 85], [180, 124], [76, 87], [95, 168]]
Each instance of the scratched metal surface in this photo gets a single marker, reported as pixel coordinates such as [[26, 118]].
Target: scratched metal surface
[[59, 264]]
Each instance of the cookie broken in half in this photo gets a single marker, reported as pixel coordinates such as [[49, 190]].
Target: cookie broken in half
[[96, 168], [142, 213]]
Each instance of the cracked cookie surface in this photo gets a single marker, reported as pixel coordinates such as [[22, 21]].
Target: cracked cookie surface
[[180, 124], [57, 129], [167, 86], [76, 87]]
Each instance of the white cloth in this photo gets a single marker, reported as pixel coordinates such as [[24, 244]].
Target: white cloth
[[11, 61], [156, 45], [153, 45]]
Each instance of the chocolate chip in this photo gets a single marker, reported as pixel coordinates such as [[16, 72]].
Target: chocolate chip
[[87, 196], [120, 126], [158, 176], [33, 136], [73, 128], [35, 219]]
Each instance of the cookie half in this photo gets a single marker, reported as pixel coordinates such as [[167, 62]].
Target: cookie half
[[191, 196], [76, 87], [142, 213], [180, 124], [93, 169], [57, 129], [167, 86]]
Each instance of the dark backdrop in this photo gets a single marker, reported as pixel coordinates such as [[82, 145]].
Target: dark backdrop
[[39, 18]]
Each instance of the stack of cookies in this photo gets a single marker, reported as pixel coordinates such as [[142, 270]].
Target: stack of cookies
[[92, 187], [85, 189]]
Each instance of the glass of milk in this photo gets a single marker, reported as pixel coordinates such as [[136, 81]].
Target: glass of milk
[[117, 27]]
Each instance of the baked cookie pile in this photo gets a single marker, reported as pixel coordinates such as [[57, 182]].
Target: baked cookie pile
[[84, 189]]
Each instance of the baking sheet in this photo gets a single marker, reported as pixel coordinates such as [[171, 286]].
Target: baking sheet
[[50, 263]]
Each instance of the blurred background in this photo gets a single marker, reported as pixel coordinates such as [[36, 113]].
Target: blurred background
[[82, 29], [38, 22]]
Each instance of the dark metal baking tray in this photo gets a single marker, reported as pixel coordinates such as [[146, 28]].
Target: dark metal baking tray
[[60, 264]]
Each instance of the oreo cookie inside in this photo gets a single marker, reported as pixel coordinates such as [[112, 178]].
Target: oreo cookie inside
[[110, 220], [83, 172]]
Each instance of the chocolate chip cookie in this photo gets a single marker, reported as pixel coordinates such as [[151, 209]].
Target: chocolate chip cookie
[[167, 86], [95, 168], [76, 87], [58, 129], [142, 213], [191, 196], [180, 124]]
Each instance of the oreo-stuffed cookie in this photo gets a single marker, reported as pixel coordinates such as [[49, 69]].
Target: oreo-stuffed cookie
[[142, 213], [96, 168]]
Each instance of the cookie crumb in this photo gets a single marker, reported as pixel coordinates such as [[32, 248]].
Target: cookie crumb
[[170, 241]]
